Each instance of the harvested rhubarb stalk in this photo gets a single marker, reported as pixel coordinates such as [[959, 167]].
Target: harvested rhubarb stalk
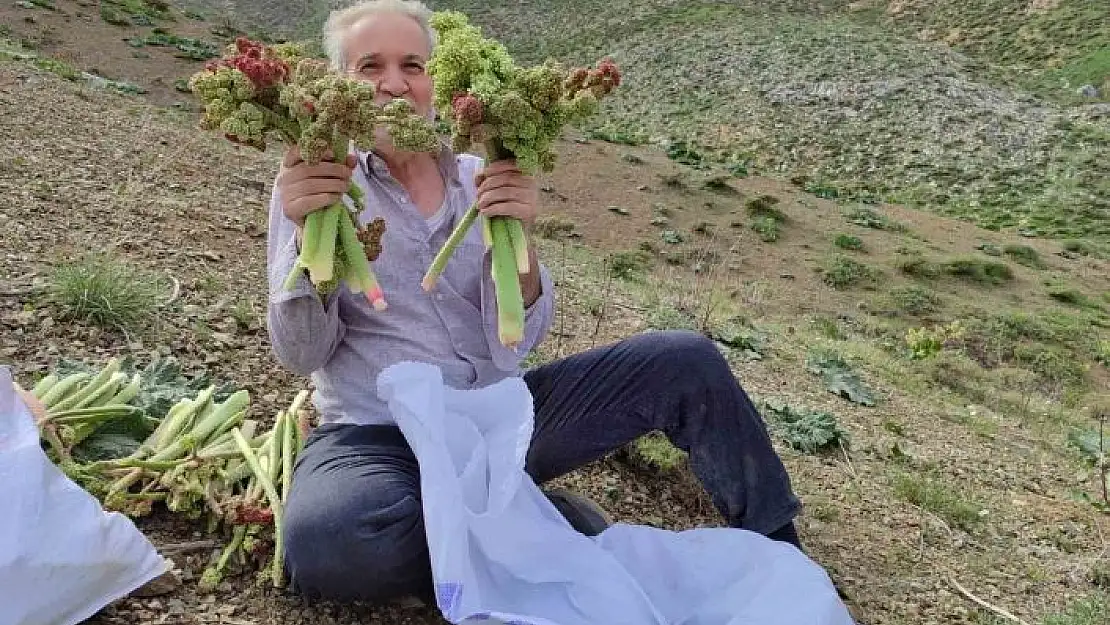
[[258, 90], [515, 113]]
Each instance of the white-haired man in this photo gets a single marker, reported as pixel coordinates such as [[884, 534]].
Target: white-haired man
[[353, 522]]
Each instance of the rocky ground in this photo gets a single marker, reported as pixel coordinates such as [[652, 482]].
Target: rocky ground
[[958, 481]]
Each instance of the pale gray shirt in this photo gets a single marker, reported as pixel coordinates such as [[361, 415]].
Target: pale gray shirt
[[343, 343]]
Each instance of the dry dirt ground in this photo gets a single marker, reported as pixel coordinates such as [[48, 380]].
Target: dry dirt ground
[[85, 170]]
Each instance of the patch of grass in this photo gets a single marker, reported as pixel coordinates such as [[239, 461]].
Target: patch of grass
[[978, 270], [828, 328], [915, 300], [1024, 255], [186, 47], [841, 272], [105, 291], [61, 68], [767, 228], [974, 270], [1083, 247], [764, 206], [629, 264], [848, 242], [1091, 610], [958, 373], [870, 218], [1073, 297], [114, 16], [664, 316], [657, 452], [939, 497], [553, 226]]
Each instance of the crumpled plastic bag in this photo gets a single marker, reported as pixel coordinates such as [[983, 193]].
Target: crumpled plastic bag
[[62, 557], [502, 553]]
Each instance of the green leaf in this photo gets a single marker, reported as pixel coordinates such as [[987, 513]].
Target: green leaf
[[839, 378], [807, 430]]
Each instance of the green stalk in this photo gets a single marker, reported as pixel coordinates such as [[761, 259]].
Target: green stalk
[[510, 301], [295, 418], [495, 151], [310, 246], [105, 392], [275, 506], [44, 385], [365, 281], [452, 242], [321, 265], [128, 392], [487, 234], [288, 451], [92, 414], [63, 387], [520, 244], [135, 463], [93, 386], [277, 447], [220, 433], [237, 402]]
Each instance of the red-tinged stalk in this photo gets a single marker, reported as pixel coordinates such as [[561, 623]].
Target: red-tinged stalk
[[506, 281], [275, 504], [363, 281], [448, 248]]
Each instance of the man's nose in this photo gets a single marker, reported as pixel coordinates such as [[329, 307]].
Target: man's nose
[[393, 83]]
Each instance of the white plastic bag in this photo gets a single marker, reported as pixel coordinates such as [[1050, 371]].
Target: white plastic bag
[[62, 557], [501, 552]]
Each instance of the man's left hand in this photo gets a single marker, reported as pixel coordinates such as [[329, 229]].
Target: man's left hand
[[504, 190]]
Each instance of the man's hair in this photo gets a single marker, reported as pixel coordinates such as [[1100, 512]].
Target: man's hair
[[342, 20]]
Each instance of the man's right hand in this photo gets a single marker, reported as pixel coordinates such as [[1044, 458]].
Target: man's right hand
[[305, 188]]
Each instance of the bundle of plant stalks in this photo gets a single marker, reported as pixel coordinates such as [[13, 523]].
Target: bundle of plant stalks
[[515, 113], [257, 90], [203, 459]]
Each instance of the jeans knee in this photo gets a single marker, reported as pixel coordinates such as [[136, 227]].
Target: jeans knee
[[357, 550], [689, 352]]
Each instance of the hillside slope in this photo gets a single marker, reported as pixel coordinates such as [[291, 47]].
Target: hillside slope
[[924, 379]]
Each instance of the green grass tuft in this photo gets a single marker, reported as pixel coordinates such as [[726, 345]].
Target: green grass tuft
[[841, 272], [940, 498], [105, 292]]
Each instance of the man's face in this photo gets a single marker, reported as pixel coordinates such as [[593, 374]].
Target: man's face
[[391, 51]]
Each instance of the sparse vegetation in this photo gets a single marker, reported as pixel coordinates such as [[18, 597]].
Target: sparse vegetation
[[808, 431], [939, 497], [915, 299], [105, 291], [975, 270], [972, 432], [1024, 255], [848, 242], [841, 272]]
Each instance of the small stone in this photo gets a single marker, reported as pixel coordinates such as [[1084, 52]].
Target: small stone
[[1088, 91]]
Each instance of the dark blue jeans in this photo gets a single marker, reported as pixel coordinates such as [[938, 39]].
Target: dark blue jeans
[[353, 522]]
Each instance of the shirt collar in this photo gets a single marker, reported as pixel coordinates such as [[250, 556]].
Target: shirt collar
[[445, 157]]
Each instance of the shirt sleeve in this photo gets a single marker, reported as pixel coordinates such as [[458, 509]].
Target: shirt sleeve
[[304, 328], [537, 318]]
